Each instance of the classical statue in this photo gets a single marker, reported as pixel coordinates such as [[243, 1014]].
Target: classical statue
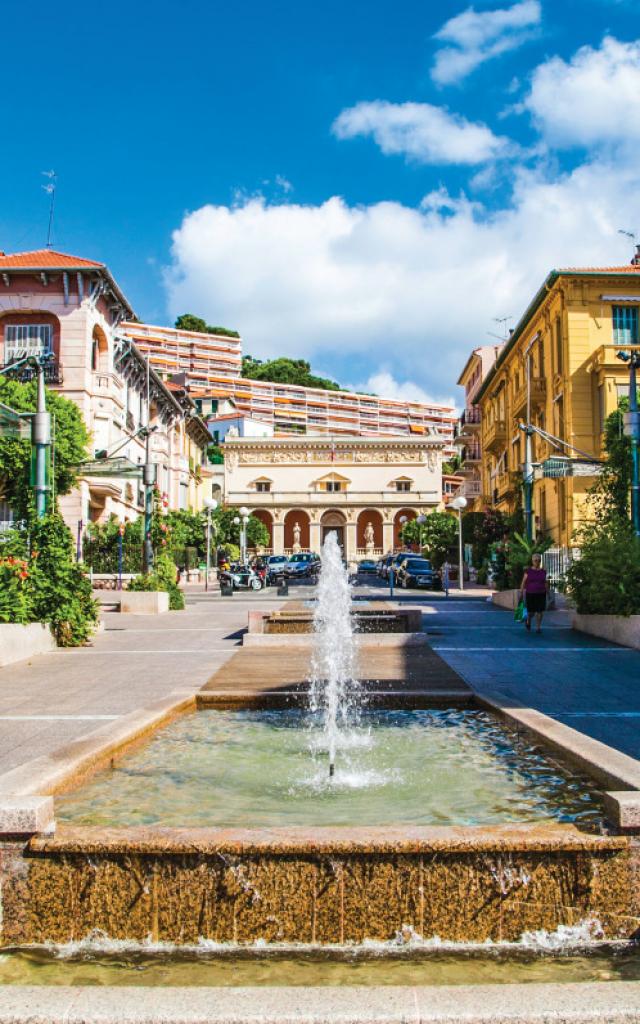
[[297, 547], [369, 538]]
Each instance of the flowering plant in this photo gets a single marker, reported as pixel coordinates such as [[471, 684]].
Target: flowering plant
[[14, 595]]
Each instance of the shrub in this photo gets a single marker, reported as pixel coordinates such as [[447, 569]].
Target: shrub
[[58, 590], [605, 580], [162, 578], [14, 594]]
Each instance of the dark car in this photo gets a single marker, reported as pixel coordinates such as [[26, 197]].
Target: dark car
[[275, 567], [416, 572], [302, 565], [367, 565], [393, 562]]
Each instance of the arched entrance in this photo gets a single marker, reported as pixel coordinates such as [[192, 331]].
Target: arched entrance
[[333, 522], [296, 516], [370, 516], [402, 515], [266, 518]]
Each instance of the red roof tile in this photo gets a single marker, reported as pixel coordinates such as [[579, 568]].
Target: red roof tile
[[45, 259], [627, 269]]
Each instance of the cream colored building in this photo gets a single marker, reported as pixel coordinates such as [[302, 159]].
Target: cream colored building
[[363, 488]]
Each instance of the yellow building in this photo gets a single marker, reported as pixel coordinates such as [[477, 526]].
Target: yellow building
[[565, 344]]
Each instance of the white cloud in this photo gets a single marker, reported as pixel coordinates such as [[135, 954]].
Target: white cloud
[[592, 99], [412, 290], [420, 131], [383, 383], [479, 36]]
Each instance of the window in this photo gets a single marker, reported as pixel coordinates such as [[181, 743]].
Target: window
[[263, 486], [558, 332], [625, 325], [403, 485], [334, 485], [27, 340]]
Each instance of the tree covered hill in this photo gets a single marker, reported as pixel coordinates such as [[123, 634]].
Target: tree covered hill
[[286, 371]]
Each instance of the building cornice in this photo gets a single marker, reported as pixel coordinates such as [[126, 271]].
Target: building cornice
[[307, 443]]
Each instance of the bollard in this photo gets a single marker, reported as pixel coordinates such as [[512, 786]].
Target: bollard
[[226, 590], [283, 590]]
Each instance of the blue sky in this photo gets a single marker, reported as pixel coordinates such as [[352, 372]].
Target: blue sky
[[366, 187]]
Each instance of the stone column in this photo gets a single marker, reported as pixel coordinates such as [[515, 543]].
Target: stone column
[[350, 542], [387, 537], [278, 537], [314, 536]]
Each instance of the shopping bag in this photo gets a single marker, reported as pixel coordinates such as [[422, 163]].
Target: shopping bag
[[520, 613]]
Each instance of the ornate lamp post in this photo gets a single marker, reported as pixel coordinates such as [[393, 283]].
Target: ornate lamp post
[[459, 503], [244, 512], [211, 505]]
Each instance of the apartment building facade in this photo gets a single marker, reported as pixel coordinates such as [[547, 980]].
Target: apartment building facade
[[559, 368], [211, 366], [71, 309], [468, 433]]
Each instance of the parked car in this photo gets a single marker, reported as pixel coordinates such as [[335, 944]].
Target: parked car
[[416, 572], [302, 565], [394, 561], [275, 568], [367, 565]]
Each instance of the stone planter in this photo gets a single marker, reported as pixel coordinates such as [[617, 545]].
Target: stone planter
[[616, 628], [144, 602], [17, 643], [506, 599]]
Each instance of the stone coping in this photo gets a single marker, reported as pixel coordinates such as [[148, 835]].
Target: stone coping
[[569, 1003], [297, 840], [362, 640], [70, 765], [293, 695]]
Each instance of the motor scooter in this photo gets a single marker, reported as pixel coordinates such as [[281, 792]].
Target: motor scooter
[[241, 577]]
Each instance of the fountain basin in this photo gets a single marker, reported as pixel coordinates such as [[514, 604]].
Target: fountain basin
[[315, 884]]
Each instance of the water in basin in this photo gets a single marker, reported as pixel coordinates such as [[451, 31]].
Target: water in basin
[[232, 969], [270, 768]]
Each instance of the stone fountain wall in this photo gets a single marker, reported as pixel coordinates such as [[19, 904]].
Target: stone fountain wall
[[317, 886]]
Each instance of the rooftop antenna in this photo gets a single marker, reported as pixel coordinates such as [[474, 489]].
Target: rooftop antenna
[[503, 321], [629, 234], [50, 189]]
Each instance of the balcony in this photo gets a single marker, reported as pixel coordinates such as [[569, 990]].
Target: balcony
[[52, 372], [470, 457], [538, 396], [330, 498], [470, 420], [495, 436]]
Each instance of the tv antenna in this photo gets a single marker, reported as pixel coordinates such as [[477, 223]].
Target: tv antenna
[[629, 234], [50, 189]]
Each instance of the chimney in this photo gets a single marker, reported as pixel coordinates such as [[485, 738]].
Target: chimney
[[635, 262]]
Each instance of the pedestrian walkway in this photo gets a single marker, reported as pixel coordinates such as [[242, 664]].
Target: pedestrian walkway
[[587, 683], [52, 699]]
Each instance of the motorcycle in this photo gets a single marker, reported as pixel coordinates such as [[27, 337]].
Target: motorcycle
[[241, 577]]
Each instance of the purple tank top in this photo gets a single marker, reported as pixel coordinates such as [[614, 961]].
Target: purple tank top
[[536, 581]]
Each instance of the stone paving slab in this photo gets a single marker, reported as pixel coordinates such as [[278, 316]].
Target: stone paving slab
[[601, 1003], [56, 698]]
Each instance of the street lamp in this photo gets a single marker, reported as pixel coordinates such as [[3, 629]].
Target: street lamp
[[244, 512], [459, 504], [632, 428], [211, 505]]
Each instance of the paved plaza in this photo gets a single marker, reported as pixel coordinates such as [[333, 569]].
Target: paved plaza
[[52, 699]]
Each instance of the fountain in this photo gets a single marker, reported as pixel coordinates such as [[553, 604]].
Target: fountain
[[333, 659], [405, 813]]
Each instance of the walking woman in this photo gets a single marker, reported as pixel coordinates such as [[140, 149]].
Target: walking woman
[[534, 588]]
